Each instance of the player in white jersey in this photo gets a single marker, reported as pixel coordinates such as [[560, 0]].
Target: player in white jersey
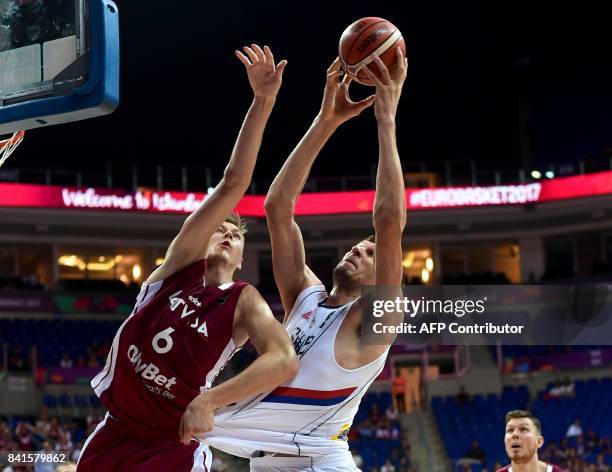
[[303, 424]]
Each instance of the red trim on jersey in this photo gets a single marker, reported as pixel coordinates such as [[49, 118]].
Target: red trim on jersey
[[305, 393]]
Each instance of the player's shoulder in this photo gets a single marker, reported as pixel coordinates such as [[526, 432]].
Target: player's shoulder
[[248, 291], [249, 297]]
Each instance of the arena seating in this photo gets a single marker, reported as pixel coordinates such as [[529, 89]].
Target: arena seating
[[375, 451], [53, 338], [482, 418], [592, 405]]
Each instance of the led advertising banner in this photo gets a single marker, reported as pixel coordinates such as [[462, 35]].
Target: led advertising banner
[[147, 200]]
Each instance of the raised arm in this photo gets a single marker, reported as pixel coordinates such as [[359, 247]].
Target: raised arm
[[389, 214], [190, 244], [288, 260], [276, 364]]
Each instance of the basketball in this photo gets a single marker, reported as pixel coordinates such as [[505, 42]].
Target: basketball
[[362, 39]]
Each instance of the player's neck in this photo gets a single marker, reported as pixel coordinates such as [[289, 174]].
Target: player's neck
[[534, 465], [217, 275], [341, 296]]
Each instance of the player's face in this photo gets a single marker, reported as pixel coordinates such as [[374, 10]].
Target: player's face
[[227, 243], [522, 440], [358, 263]]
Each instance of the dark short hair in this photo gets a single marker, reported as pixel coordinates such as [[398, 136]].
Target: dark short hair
[[371, 238], [234, 218], [516, 414]]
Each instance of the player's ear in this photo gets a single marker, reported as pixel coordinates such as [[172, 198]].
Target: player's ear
[[540, 441], [240, 264]]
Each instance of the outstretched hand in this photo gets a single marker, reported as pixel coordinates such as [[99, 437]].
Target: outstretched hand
[[337, 106], [265, 76], [388, 86]]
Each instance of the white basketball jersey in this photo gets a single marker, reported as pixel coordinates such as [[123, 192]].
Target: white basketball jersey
[[312, 413]]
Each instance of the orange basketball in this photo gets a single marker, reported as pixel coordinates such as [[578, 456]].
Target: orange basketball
[[365, 37]]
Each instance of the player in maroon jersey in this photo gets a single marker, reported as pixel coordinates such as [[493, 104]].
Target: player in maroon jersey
[[523, 439], [188, 320]]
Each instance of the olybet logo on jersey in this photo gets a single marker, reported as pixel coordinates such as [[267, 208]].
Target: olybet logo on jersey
[[150, 372]]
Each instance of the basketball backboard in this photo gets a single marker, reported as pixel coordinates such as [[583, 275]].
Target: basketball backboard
[[59, 61]]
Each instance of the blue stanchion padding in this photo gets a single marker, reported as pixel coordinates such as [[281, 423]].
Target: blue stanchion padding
[[98, 96]]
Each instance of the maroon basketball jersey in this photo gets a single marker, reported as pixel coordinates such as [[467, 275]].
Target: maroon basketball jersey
[[549, 468], [172, 346]]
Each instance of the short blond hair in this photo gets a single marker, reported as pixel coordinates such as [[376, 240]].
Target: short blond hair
[[238, 222], [518, 414]]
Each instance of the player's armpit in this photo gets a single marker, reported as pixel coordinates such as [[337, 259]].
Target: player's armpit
[[277, 361], [291, 274], [255, 321]]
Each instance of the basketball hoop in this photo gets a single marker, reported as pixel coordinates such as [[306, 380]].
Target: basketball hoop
[[7, 146]]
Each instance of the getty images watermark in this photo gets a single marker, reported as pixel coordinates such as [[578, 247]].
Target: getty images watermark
[[488, 314]]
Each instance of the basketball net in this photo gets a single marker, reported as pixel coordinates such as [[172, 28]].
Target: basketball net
[[7, 146]]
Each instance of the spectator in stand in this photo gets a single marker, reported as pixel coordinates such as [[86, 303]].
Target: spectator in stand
[[387, 467], [17, 362], [398, 389], [65, 443], [554, 391], [76, 453], [476, 453], [564, 447], [358, 459], [391, 413], [462, 397], [561, 388], [404, 464], [600, 464], [30, 282], [591, 440], [45, 466], [395, 431], [383, 430], [92, 421], [366, 430], [375, 415], [93, 361], [104, 349], [54, 431], [405, 445], [569, 387], [40, 428], [571, 454], [80, 362], [574, 429], [66, 467], [23, 435], [5, 435], [66, 361], [580, 447]]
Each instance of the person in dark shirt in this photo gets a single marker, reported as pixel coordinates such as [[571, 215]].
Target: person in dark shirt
[[476, 453]]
